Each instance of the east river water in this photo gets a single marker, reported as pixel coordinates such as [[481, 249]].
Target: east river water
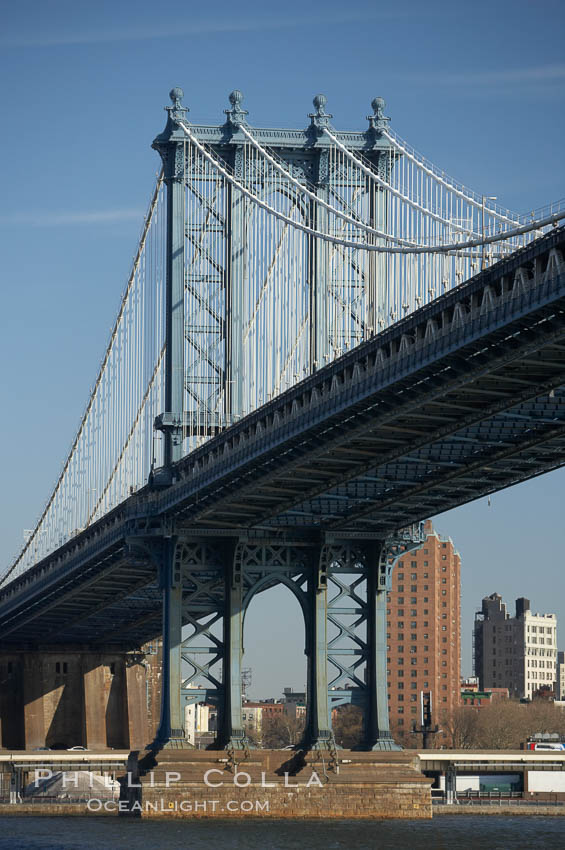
[[447, 832]]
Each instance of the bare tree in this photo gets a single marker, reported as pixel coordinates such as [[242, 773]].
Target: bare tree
[[460, 727], [502, 724], [282, 731], [348, 726]]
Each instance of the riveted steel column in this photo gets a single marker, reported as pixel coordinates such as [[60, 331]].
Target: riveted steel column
[[171, 726], [171, 145], [377, 726], [318, 732], [319, 269], [231, 723], [377, 277], [174, 339], [236, 263]]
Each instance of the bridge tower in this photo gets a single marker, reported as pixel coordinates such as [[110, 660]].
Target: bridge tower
[[210, 262]]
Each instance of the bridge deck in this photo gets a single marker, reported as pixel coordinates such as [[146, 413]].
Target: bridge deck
[[462, 398]]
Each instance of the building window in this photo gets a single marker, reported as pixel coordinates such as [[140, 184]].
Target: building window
[[401, 588], [413, 673], [400, 624]]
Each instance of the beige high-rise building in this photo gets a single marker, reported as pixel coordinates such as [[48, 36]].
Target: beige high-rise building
[[518, 653], [423, 630]]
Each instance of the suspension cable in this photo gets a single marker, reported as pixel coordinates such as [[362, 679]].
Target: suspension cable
[[364, 246], [113, 336], [466, 197]]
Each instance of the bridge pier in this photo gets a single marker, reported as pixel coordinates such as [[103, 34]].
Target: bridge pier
[[377, 723], [232, 731], [171, 725], [63, 697], [210, 583], [318, 732]]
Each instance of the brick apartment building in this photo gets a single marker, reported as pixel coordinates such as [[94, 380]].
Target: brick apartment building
[[424, 633]]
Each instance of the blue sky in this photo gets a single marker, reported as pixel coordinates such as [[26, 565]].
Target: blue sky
[[478, 88]]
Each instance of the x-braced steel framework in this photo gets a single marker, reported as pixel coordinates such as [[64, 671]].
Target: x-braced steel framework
[[341, 588], [237, 282]]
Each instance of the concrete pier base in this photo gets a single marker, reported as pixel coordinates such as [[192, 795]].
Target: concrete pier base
[[278, 783], [58, 698]]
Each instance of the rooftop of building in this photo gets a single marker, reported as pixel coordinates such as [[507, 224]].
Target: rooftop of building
[[430, 531]]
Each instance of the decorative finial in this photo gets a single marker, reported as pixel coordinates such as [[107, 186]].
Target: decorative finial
[[378, 120], [320, 118], [177, 112], [236, 115]]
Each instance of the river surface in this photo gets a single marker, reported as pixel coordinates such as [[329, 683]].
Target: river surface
[[447, 832]]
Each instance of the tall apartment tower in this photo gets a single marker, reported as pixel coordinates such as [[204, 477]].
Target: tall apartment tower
[[424, 632], [518, 653]]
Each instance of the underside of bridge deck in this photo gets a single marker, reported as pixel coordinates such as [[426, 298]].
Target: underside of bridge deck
[[462, 398]]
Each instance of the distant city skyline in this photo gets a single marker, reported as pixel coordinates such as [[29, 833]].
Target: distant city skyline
[[479, 91]]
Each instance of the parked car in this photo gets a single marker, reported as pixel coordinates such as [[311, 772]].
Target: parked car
[[70, 750]]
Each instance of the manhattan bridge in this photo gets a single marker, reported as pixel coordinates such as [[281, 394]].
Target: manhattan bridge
[[324, 339]]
